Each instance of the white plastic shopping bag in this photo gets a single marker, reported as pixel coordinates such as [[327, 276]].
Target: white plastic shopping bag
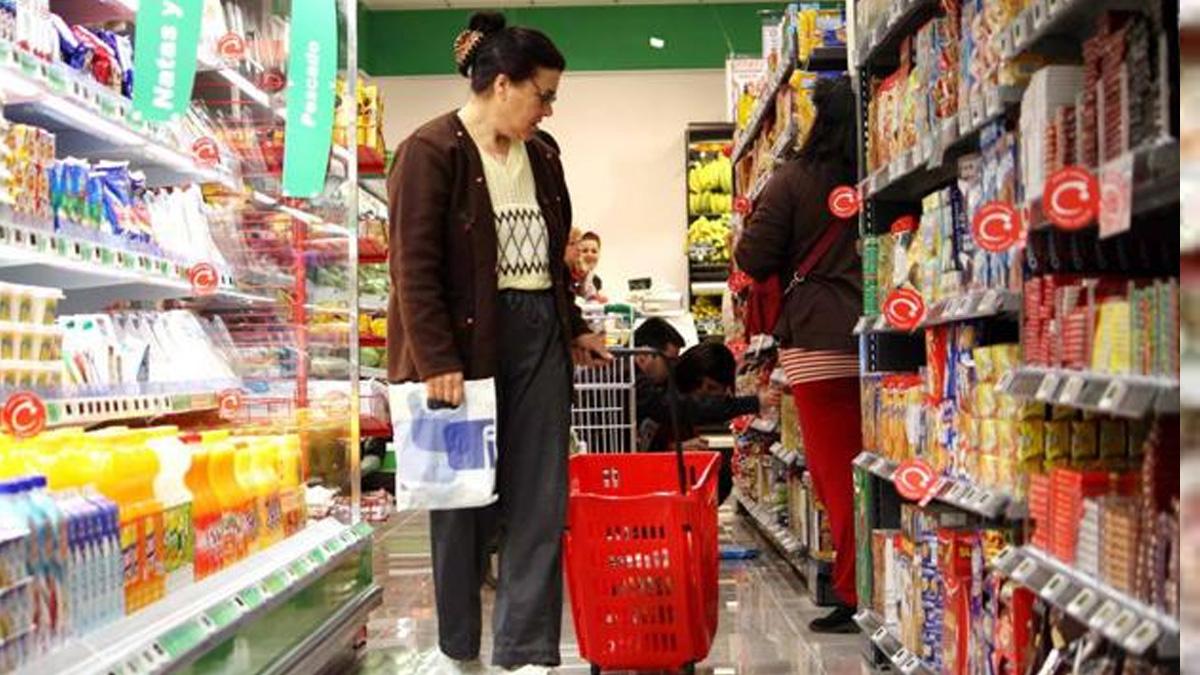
[[445, 458]]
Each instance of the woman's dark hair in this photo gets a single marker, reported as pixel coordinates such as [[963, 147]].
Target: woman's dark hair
[[707, 359], [505, 50], [656, 333], [831, 141], [592, 236]]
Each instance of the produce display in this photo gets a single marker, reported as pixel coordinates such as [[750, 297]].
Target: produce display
[[710, 182]]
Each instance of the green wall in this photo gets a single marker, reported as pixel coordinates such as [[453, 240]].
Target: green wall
[[609, 37]]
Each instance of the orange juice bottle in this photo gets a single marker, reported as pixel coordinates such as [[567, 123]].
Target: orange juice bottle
[[206, 511], [266, 459], [247, 479], [231, 501], [291, 486]]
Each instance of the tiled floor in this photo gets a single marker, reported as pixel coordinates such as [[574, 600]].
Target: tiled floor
[[762, 629]]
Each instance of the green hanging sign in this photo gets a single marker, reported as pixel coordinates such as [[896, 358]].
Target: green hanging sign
[[164, 57], [312, 67]]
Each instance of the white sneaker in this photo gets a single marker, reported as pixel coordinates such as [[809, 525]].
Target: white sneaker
[[434, 662], [531, 670]]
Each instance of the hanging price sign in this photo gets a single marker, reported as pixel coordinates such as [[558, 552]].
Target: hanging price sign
[[229, 402], [904, 309], [1116, 196], [741, 204], [204, 278], [997, 227], [24, 414], [845, 202], [914, 479], [1071, 198], [231, 47], [205, 150]]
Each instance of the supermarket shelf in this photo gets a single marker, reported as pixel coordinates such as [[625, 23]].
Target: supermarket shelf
[[931, 165], [92, 121], [1039, 28], [93, 273], [708, 287], [89, 410], [826, 58], [788, 456], [745, 140], [709, 272], [1125, 621], [957, 493], [889, 644], [883, 44], [968, 307], [177, 630], [785, 542], [1156, 175], [1133, 396], [373, 373], [368, 303]]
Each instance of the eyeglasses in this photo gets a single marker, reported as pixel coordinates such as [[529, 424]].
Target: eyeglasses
[[546, 97]]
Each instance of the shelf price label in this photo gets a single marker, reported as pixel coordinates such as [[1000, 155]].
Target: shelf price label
[[997, 227], [904, 309], [1113, 396], [24, 415], [1025, 570], [1105, 615], [1081, 606], [844, 201], [1055, 587], [1143, 637], [182, 639], [1071, 390], [1048, 387], [1116, 196], [251, 598], [1122, 626], [1071, 198], [229, 402], [224, 614]]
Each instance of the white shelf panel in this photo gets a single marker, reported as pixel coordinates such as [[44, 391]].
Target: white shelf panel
[[243, 590]]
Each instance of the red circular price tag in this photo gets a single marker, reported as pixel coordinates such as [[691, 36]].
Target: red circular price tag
[[844, 201], [904, 308], [997, 227], [231, 47], [273, 81], [904, 224], [229, 402], [205, 150], [204, 278], [727, 150], [1071, 198], [24, 414], [741, 204], [914, 479]]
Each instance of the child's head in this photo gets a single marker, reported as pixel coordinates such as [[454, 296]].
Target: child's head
[[656, 333], [708, 369], [589, 250]]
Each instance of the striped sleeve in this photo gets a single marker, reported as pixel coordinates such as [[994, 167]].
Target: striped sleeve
[[812, 365]]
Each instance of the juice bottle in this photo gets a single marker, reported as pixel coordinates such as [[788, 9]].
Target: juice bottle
[[246, 475], [109, 571], [206, 512], [231, 500], [54, 551], [291, 488], [148, 513], [171, 490], [266, 459], [24, 564]]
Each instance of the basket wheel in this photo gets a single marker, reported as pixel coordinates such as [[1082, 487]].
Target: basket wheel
[[595, 669]]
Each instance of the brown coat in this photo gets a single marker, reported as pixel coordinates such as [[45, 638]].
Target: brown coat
[[787, 222], [442, 309]]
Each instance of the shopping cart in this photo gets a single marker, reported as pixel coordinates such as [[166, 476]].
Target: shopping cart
[[641, 554]]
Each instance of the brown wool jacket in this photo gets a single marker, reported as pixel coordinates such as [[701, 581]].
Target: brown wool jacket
[[442, 309], [786, 223]]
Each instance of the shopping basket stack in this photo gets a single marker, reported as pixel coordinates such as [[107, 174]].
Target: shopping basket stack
[[641, 558]]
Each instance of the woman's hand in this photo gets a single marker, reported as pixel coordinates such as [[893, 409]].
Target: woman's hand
[[588, 350], [447, 388]]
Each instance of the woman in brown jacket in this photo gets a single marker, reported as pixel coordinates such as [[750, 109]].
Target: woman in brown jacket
[[479, 223], [816, 325]]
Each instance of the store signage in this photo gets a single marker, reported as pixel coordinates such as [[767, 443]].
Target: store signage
[[997, 227], [904, 309], [205, 150], [204, 278], [312, 67], [24, 415], [164, 57], [229, 402], [231, 47], [844, 201], [1071, 198], [914, 479]]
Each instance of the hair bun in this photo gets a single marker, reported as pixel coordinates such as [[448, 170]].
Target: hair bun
[[487, 22], [466, 45]]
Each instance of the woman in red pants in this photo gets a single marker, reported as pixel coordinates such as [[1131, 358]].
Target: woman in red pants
[[792, 234]]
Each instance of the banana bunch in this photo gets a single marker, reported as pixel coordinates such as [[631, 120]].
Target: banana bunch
[[368, 325], [708, 240], [712, 175]]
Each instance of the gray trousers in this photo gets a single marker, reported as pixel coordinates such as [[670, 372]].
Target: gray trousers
[[533, 387]]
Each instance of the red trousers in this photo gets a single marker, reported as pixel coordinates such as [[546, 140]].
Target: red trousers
[[831, 423]]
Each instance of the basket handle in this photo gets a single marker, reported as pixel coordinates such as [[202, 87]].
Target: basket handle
[[672, 406]]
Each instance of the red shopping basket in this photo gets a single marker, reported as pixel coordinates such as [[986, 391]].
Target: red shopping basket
[[641, 558]]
